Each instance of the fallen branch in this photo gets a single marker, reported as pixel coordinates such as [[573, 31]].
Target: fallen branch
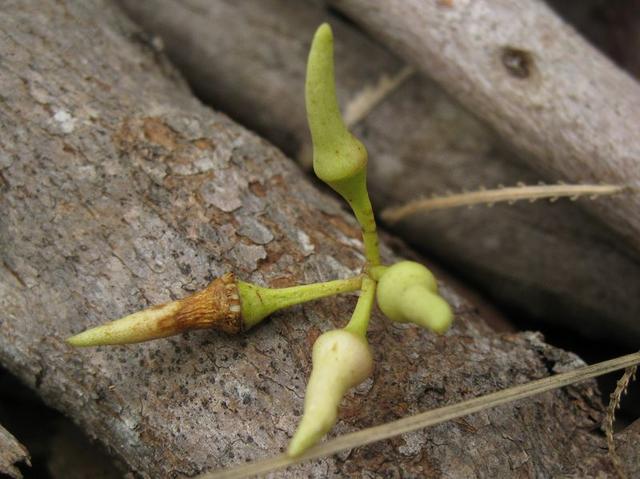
[[571, 112]]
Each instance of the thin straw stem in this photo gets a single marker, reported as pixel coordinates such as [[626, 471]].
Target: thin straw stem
[[426, 419], [500, 195]]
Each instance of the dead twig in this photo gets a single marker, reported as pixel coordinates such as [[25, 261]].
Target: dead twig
[[500, 195], [614, 403]]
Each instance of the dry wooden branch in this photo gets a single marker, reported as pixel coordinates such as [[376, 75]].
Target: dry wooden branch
[[420, 142], [570, 111], [11, 453]]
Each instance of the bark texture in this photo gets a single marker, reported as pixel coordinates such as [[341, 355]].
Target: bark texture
[[611, 26], [554, 262], [120, 190], [568, 109], [627, 443], [11, 453]]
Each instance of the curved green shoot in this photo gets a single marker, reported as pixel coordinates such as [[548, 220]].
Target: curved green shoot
[[359, 321], [339, 159], [257, 302]]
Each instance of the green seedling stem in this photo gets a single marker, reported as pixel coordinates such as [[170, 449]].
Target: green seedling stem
[[258, 302]]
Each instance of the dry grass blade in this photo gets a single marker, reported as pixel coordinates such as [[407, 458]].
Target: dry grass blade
[[501, 195], [426, 419], [614, 403], [369, 97]]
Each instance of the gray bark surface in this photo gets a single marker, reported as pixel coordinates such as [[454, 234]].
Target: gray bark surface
[[568, 109], [120, 190], [553, 261], [11, 453], [627, 443], [611, 26]]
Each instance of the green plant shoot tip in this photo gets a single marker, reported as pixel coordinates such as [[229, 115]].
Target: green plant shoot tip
[[337, 154], [339, 159]]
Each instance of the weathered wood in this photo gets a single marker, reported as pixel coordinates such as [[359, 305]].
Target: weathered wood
[[568, 109], [552, 261], [610, 26], [119, 190], [11, 453]]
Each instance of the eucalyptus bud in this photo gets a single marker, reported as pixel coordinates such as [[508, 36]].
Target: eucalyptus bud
[[408, 292], [341, 360], [226, 304], [215, 307], [337, 155], [339, 158]]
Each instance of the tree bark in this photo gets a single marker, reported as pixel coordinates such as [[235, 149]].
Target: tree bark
[[11, 453], [610, 26], [120, 190], [420, 141], [568, 109], [627, 448]]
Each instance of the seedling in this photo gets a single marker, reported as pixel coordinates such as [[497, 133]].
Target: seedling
[[406, 291]]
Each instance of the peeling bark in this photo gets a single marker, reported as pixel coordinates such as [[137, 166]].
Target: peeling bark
[[119, 190], [554, 262], [11, 453]]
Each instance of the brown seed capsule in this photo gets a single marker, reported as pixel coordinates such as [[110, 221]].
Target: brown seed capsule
[[215, 307]]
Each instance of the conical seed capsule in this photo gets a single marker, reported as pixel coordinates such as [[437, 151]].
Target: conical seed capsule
[[408, 292], [337, 155], [341, 360], [216, 307], [227, 305]]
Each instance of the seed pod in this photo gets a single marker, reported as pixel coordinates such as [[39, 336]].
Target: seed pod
[[408, 292], [341, 360], [337, 155], [216, 307]]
